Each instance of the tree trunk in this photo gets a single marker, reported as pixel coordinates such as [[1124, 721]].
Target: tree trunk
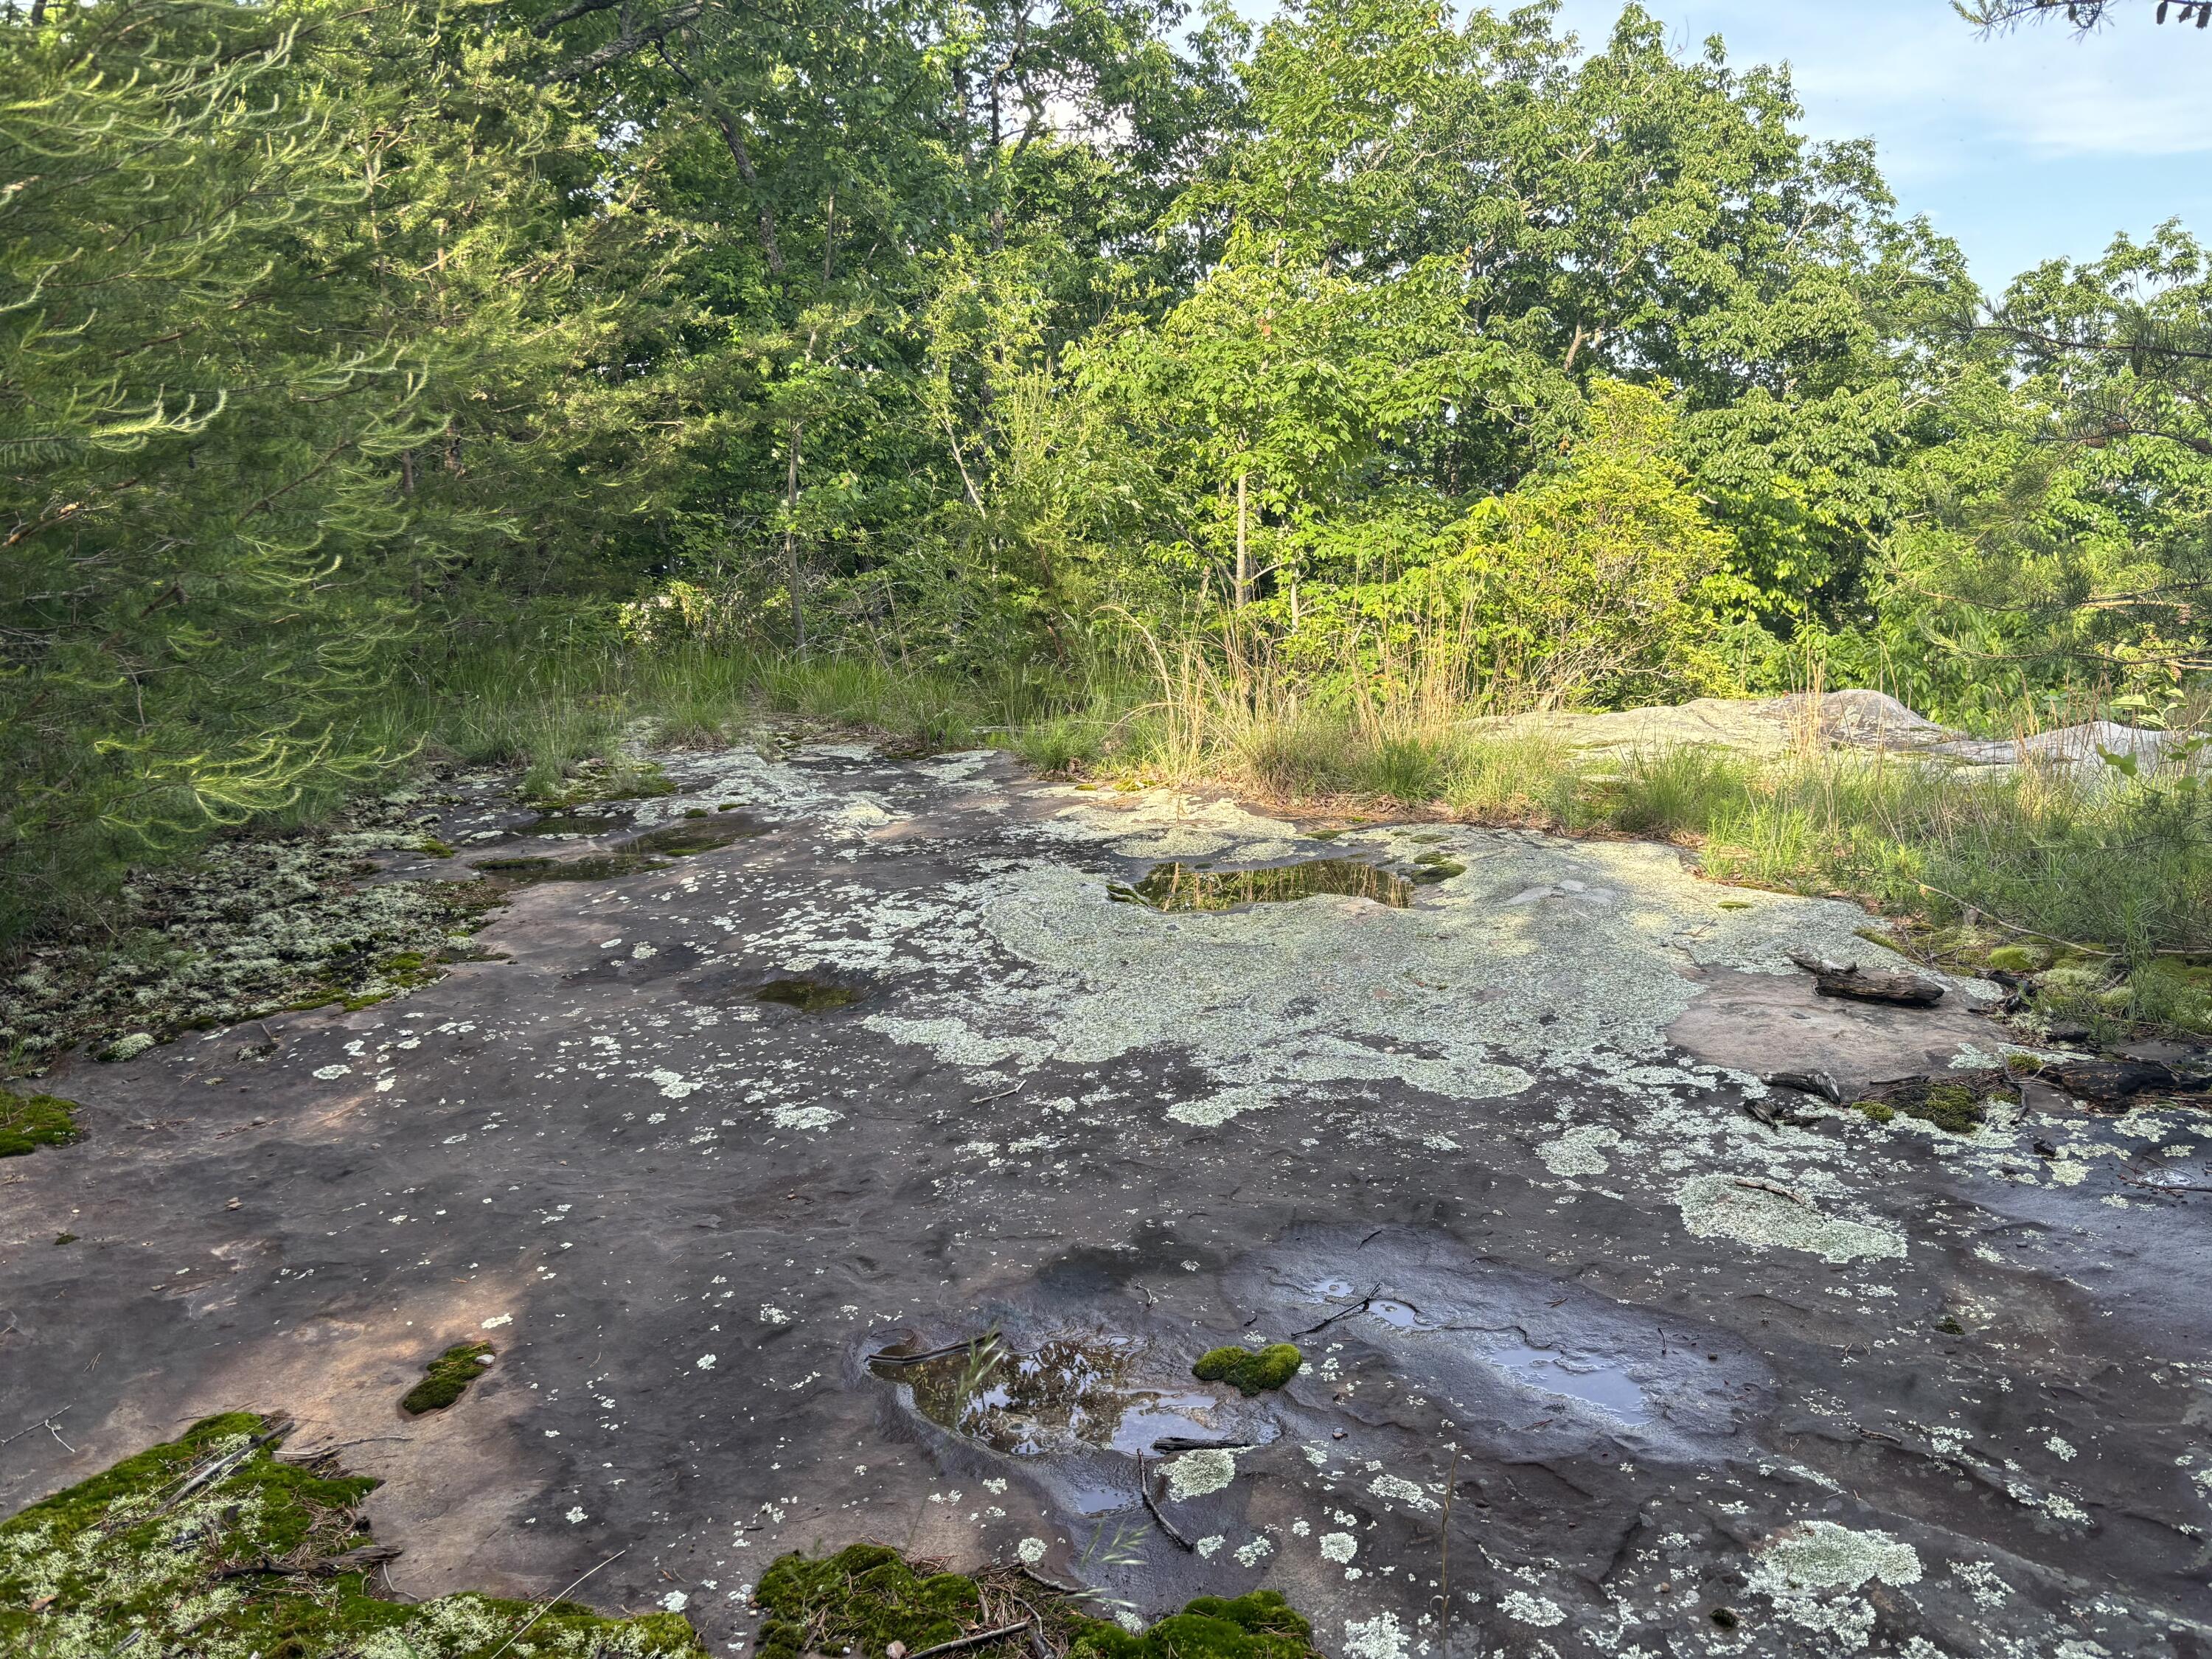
[[791, 539], [1243, 554]]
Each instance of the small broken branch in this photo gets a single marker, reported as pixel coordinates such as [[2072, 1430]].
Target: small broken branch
[[1144, 1491], [1848, 979], [977, 1640]]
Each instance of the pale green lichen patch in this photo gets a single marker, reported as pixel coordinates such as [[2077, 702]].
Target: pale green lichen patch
[[249, 926], [210, 1545], [1820, 1555], [1750, 1213], [1195, 1474]]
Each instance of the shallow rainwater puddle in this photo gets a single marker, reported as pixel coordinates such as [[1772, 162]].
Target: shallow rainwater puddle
[[1607, 1386], [593, 866], [811, 996], [577, 823], [1072, 1395], [698, 834], [1176, 887]]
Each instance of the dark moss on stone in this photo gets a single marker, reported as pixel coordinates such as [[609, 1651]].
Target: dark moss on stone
[[696, 835], [447, 1378], [811, 996], [30, 1122], [209, 1544], [1250, 1369], [861, 1600]]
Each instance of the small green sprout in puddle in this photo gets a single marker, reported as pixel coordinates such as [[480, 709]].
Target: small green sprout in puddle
[[211, 1545], [30, 1122], [447, 1378], [865, 1598], [1432, 867], [1183, 887], [1251, 1372], [808, 996]]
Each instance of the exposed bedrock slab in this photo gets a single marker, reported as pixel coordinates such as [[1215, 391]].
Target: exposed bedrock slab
[[1685, 1383]]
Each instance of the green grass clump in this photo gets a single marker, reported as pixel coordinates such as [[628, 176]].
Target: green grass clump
[[862, 1599], [30, 1122], [148, 1556], [1251, 1372], [447, 1378]]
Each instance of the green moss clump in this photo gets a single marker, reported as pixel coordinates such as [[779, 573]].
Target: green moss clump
[[862, 1599], [435, 848], [1879, 1110], [447, 1378], [1949, 1106], [1268, 1368], [2019, 959], [251, 1559], [1259, 1625], [695, 812], [30, 1122]]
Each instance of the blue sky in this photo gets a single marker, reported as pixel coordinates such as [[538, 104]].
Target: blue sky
[[2023, 147]]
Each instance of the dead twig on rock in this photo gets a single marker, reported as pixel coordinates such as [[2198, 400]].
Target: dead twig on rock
[[1145, 1491], [543, 1606], [887, 1357], [1848, 979], [975, 1641], [45, 1422], [1359, 1306], [1759, 1185]]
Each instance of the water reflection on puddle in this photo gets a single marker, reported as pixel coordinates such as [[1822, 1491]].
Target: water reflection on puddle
[[1609, 1387], [1177, 887], [1072, 1395]]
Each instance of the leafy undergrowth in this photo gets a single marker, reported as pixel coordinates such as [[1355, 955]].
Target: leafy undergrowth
[[30, 1122], [447, 1378], [863, 1599], [251, 926], [211, 1545]]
